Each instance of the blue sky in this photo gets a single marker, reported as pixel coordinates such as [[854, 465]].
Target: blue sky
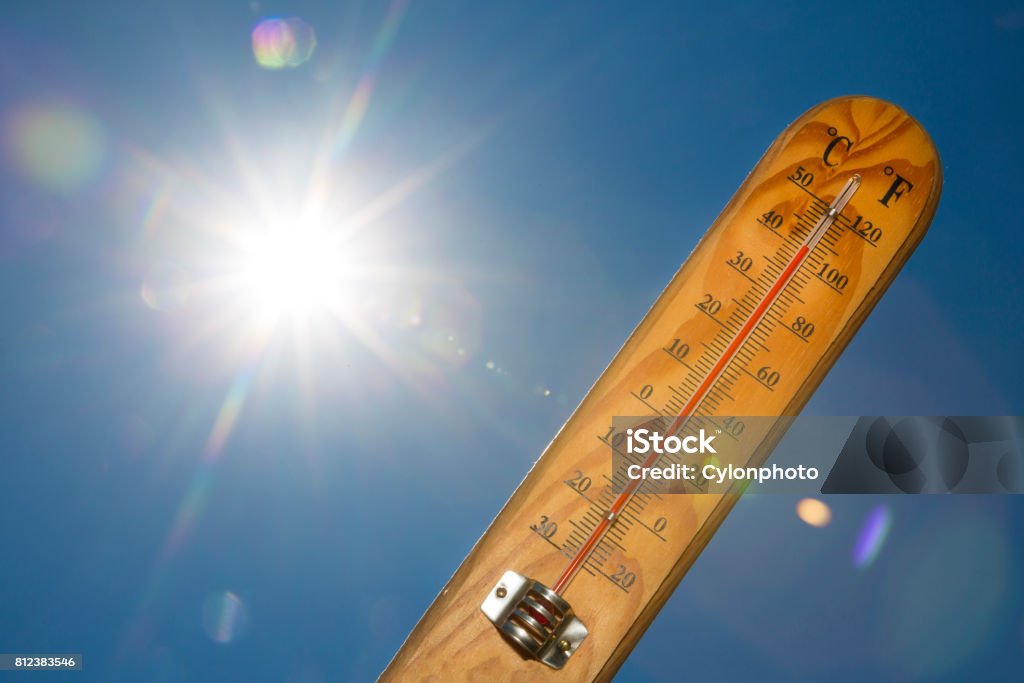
[[189, 495]]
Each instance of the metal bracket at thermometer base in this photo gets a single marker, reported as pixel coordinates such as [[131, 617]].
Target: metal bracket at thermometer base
[[535, 619]]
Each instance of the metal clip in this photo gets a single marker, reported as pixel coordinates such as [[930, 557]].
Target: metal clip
[[535, 619]]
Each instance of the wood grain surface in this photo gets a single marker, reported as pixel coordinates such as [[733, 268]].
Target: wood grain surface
[[901, 181]]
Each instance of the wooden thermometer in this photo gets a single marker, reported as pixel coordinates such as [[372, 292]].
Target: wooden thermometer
[[579, 561]]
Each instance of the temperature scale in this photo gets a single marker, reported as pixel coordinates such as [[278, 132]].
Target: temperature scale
[[579, 561]]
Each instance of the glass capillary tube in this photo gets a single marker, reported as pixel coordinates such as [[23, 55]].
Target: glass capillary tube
[[687, 411]]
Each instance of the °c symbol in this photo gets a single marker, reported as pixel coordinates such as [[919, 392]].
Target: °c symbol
[[836, 140]]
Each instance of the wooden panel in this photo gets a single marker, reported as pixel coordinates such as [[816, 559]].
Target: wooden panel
[[901, 181]]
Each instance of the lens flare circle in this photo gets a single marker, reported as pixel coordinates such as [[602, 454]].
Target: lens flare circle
[[166, 287], [814, 512], [225, 617], [872, 537], [61, 148], [280, 43]]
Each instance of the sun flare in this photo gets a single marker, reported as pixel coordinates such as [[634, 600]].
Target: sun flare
[[291, 271]]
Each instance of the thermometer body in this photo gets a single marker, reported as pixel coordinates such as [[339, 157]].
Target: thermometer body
[[579, 561]]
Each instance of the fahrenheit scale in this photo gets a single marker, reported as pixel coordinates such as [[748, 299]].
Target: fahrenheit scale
[[579, 561]]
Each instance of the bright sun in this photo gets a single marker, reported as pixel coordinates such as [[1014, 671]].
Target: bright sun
[[291, 270]]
